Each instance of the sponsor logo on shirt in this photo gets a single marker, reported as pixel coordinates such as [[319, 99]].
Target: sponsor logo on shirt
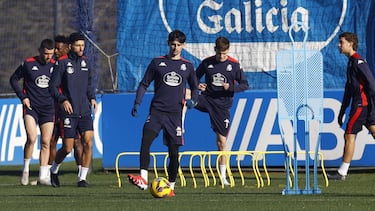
[[218, 79], [172, 79], [42, 81]]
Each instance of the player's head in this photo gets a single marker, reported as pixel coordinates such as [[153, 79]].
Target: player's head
[[77, 43], [46, 50], [222, 49], [176, 42], [348, 42], [61, 45]]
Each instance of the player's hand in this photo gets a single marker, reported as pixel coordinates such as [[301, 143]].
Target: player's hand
[[340, 117], [190, 103], [202, 87], [135, 110], [26, 103], [67, 107], [226, 86], [94, 105]]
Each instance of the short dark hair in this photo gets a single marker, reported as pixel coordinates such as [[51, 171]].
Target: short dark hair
[[61, 38], [177, 35], [350, 37], [221, 44], [47, 43], [75, 36]]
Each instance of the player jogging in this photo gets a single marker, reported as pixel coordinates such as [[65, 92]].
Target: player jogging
[[223, 76]]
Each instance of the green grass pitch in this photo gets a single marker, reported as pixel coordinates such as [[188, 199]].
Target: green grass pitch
[[356, 193]]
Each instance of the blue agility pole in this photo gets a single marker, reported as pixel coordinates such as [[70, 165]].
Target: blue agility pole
[[300, 102]]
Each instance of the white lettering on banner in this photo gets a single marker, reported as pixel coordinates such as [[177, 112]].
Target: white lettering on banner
[[6, 129], [19, 140], [363, 137], [250, 125], [97, 139], [266, 138], [13, 133], [240, 20], [334, 129], [235, 16], [235, 122]]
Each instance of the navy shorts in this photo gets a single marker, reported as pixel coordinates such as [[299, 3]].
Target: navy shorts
[[41, 116], [72, 125], [358, 117], [370, 117], [170, 123], [219, 115], [57, 128]]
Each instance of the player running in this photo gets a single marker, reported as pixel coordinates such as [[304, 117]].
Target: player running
[[170, 74]]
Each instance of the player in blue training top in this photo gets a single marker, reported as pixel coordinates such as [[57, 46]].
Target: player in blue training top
[[360, 92], [71, 86], [38, 106], [170, 75], [223, 76]]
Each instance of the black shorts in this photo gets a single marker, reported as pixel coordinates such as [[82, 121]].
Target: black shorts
[[41, 116], [358, 117], [170, 123], [72, 125], [219, 115]]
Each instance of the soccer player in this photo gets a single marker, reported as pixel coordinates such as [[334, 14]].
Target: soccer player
[[71, 86], [62, 48], [170, 74], [38, 106], [223, 76], [360, 91]]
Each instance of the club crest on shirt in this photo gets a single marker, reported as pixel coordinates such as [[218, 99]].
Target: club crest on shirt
[[229, 67], [183, 67], [172, 79], [218, 79], [69, 68], [42, 81]]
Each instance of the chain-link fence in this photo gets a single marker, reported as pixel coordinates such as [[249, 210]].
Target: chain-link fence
[[24, 24]]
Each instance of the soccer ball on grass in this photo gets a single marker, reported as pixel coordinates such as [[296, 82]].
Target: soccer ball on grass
[[160, 187]]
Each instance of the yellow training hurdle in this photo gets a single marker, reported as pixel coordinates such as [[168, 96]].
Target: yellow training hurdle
[[205, 160]]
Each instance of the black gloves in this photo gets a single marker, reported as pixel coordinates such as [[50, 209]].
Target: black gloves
[[135, 110], [190, 103]]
